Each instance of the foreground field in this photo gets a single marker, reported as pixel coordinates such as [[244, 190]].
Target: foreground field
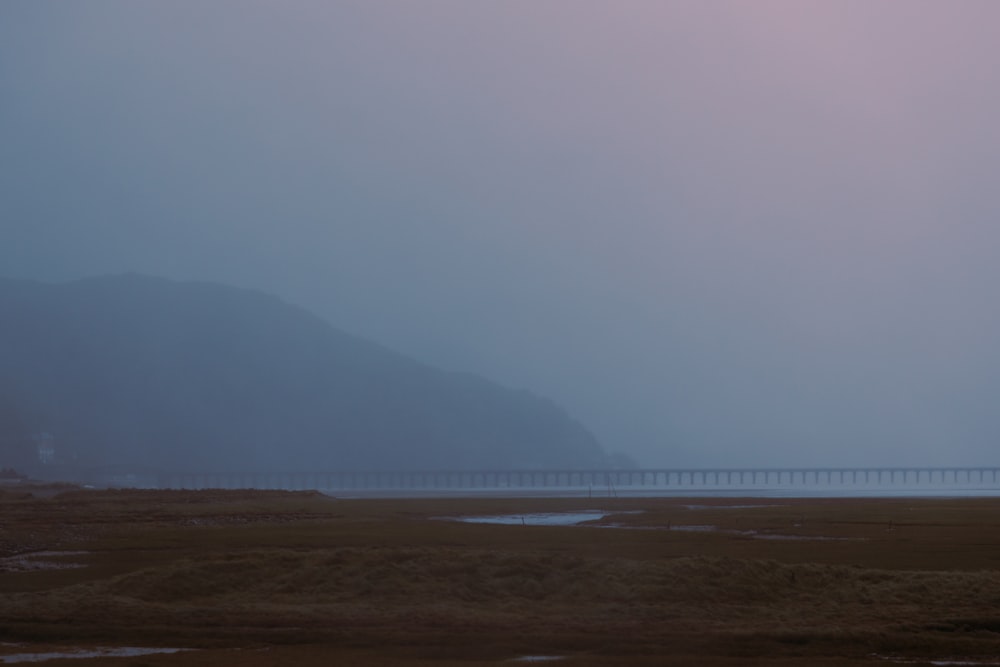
[[274, 578]]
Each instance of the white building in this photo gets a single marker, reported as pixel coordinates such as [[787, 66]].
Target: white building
[[46, 447]]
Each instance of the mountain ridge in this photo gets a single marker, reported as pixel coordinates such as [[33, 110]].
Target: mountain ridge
[[132, 370]]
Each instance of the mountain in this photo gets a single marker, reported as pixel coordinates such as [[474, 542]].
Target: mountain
[[144, 372]]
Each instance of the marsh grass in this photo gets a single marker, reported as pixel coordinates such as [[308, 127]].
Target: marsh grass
[[272, 575]]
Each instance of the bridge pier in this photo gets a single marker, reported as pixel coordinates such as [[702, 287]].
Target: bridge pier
[[676, 479]]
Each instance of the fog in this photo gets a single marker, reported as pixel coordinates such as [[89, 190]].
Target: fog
[[719, 233]]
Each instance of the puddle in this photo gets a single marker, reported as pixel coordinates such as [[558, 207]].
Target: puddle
[[755, 535], [576, 518], [40, 560], [918, 661], [812, 538], [726, 507], [752, 534], [96, 652], [536, 519]]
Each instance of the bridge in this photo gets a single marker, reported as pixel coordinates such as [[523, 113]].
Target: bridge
[[662, 479]]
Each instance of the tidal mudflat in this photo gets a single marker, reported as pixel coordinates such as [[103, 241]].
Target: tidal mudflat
[[273, 578]]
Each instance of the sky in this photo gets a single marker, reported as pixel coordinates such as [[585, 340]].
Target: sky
[[719, 233]]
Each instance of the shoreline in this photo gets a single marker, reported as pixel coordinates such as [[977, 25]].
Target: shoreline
[[651, 493]]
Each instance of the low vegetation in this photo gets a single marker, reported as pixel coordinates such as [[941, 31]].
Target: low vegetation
[[274, 578]]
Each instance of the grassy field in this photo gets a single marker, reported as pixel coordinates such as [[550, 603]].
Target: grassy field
[[279, 578]]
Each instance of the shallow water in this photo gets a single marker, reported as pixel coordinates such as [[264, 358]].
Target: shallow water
[[577, 518], [535, 519], [915, 661], [727, 507], [40, 560], [821, 491], [752, 534], [94, 652]]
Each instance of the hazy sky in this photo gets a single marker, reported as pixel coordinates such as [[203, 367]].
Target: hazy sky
[[719, 232]]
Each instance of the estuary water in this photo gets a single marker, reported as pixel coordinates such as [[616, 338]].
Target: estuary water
[[822, 491]]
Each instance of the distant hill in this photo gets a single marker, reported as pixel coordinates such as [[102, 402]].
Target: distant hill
[[144, 372]]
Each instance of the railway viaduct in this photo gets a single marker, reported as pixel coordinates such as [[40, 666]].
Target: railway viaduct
[[568, 479]]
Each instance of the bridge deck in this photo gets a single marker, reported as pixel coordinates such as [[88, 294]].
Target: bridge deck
[[725, 478]]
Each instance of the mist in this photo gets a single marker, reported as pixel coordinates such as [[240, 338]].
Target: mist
[[723, 234]]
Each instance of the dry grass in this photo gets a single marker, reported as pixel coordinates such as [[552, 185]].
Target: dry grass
[[269, 578]]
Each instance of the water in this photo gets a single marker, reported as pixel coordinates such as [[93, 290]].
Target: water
[[817, 492], [833, 491], [98, 652], [535, 519]]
